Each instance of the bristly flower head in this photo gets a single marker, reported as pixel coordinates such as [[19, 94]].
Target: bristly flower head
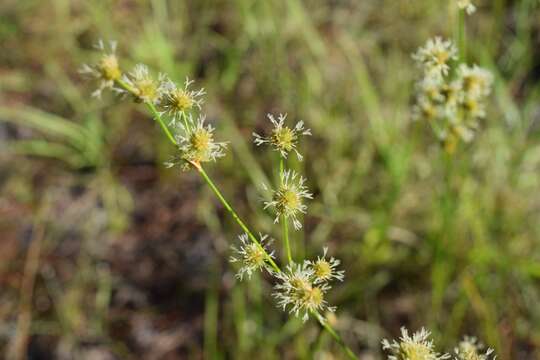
[[177, 100], [283, 138], [466, 5], [475, 81], [435, 56], [470, 349], [415, 347], [145, 88], [287, 200], [106, 70], [250, 255], [297, 291], [325, 270], [196, 143]]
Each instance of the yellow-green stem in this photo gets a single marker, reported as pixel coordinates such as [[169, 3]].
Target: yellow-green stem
[[350, 354], [461, 35], [284, 221]]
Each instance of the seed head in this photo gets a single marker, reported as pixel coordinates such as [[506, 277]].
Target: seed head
[[466, 5], [250, 255], [178, 101], [145, 88], [287, 200], [475, 81], [435, 56], [470, 349], [325, 270], [196, 143], [415, 347], [283, 138], [106, 70], [297, 291]]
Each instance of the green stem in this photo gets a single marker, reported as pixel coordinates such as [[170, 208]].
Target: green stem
[[284, 221], [461, 35], [236, 217], [350, 354], [152, 109]]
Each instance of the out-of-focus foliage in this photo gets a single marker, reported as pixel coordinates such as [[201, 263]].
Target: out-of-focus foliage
[[132, 258]]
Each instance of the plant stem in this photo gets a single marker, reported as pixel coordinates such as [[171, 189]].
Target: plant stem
[[236, 217], [284, 221], [152, 109], [350, 354], [461, 35]]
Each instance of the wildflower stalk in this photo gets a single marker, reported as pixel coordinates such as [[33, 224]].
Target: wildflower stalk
[[157, 117], [460, 34], [338, 340], [152, 109], [235, 215], [284, 222]]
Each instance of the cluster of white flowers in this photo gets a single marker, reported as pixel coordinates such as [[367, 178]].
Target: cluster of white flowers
[[415, 347], [451, 97], [251, 256], [194, 138], [470, 349], [301, 287], [466, 5]]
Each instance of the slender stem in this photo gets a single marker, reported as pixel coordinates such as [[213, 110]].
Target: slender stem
[[461, 35], [236, 217], [350, 354], [284, 221], [152, 109]]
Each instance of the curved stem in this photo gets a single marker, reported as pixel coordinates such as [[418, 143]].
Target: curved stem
[[236, 217], [284, 221], [350, 354]]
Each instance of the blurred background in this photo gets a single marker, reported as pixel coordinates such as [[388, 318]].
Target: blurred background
[[105, 254]]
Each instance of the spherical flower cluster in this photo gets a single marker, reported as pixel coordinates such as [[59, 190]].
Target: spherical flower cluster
[[283, 138], [301, 287], [143, 86], [470, 349], [466, 5], [251, 256], [177, 101], [106, 70], [434, 58], [415, 347], [196, 142], [287, 199], [453, 105]]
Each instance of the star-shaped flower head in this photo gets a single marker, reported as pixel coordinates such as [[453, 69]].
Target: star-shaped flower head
[[287, 199], [143, 86], [435, 56], [178, 101], [196, 142], [470, 349], [297, 291], [283, 139], [325, 269], [250, 255], [106, 70], [415, 347], [466, 5]]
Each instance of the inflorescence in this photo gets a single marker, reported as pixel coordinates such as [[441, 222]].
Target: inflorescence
[[450, 97]]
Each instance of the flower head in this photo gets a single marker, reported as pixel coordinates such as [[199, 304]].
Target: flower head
[[470, 349], [106, 70], [252, 256], [325, 269], [435, 56], [283, 138], [415, 347], [287, 200], [297, 291], [144, 87], [196, 142], [475, 81], [466, 5], [177, 100]]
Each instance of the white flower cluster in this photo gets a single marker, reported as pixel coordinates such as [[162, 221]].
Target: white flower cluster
[[452, 98], [415, 347]]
